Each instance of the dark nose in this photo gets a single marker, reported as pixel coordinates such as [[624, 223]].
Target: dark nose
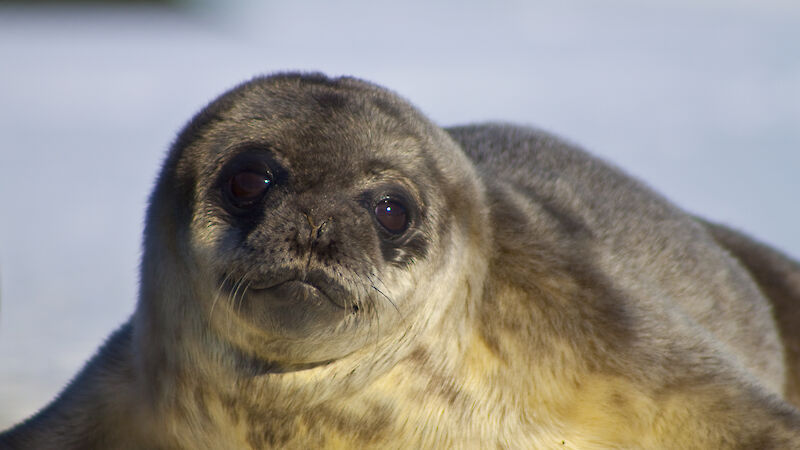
[[318, 234]]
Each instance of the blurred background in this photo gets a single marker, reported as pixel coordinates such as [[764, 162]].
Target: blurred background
[[700, 99]]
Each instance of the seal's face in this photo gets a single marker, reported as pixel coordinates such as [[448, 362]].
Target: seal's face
[[316, 217]]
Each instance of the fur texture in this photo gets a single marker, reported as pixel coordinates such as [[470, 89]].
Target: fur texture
[[325, 268]]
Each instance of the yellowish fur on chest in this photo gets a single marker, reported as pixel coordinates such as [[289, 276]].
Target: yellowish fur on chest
[[486, 401]]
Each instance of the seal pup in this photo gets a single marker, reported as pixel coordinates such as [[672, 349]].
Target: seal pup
[[325, 268]]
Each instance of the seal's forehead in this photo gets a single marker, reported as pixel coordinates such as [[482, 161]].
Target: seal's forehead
[[319, 128]]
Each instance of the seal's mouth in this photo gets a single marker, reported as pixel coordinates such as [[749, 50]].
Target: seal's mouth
[[292, 291], [291, 287]]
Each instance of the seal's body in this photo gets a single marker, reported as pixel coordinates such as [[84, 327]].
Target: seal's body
[[323, 267]]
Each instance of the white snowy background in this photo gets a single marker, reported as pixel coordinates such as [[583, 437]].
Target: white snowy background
[[701, 99]]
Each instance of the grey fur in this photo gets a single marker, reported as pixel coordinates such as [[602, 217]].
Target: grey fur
[[538, 297]]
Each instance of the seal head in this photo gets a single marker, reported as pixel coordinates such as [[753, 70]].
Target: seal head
[[308, 214]]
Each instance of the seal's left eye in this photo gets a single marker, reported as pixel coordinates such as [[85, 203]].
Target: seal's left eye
[[244, 189], [392, 215]]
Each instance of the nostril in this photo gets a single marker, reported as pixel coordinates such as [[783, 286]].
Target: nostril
[[323, 227], [316, 235], [323, 233]]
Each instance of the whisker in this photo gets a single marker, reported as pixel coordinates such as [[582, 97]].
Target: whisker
[[242, 286], [372, 278], [237, 285], [217, 295]]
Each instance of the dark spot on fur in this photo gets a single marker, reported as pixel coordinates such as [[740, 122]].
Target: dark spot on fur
[[492, 341], [269, 430], [231, 407], [330, 99], [200, 403], [438, 385], [619, 400], [419, 356], [365, 428], [448, 389]]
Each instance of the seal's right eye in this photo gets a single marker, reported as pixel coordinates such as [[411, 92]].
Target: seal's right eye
[[244, 189], [392, 215]]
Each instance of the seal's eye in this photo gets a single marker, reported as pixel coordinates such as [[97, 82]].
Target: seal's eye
[[392, 215], [246, 188]]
